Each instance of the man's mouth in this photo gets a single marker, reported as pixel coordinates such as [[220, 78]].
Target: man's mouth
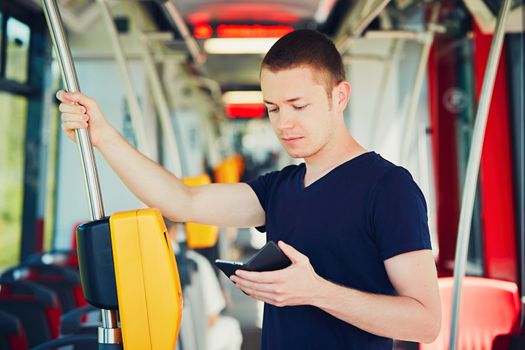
[[291, 138]]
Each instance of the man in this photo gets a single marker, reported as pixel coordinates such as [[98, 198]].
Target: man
[[354, 224]]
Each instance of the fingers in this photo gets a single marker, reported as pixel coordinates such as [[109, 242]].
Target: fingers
[[263, 287], [293, 254], [65, 108], [72, 98], [266, 297], [260, 277], [74, 121]]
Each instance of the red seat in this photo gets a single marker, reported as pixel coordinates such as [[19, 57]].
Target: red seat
[[489, 308]]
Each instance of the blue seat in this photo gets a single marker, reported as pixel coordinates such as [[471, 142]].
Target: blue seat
[[12, 334], [35, 306]]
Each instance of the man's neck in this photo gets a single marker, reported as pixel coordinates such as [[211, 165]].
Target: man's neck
[[342, 149]]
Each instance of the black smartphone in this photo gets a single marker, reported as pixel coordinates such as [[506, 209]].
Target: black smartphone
[[268, 258]]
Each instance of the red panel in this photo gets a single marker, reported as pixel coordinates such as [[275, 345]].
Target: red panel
[[18, 342], [489, 309], [441, 78], [198, 18], [79, 296], [252, 110], [245, 12], [53, 317], [40, 235], [496, 170]]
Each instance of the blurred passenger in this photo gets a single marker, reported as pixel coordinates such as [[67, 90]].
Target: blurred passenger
[[223, 332]]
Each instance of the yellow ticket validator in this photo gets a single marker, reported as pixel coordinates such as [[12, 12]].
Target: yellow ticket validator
[[148, 284]]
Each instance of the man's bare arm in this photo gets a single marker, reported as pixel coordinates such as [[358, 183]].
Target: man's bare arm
[[414, 314], [228, 205]]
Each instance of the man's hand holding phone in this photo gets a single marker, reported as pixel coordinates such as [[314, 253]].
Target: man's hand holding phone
[[297, 284]]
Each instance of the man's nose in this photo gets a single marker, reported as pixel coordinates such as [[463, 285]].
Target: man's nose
[[285, 121]]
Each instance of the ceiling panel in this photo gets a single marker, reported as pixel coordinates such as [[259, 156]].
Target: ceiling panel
[[213, 11]]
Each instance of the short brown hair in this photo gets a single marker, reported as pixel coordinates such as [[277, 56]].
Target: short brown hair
[[309, 48]]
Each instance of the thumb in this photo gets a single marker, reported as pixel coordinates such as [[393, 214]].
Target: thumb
[[293, 254]]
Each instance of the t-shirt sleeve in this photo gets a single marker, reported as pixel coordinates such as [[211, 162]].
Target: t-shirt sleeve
[[399, 215], [262, 186]]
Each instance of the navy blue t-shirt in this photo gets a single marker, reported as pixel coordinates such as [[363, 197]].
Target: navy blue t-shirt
[[348, 222]]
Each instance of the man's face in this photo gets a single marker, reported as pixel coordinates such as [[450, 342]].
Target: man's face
[[300, 113]]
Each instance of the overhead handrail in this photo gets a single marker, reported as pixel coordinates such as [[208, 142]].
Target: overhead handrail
[[471, 177], [109, 334], [176, 18], [370, 10]]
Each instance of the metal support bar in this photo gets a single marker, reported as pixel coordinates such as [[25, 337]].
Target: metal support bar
[[69, 76], [344, 36], [110, 328], [193, 47], [163, 112], [395, 48], [365, 21], [471, 177], [137, 117], [396, 34], [411, 120]]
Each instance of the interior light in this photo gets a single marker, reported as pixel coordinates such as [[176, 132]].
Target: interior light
[[238, 45], [240, 97]]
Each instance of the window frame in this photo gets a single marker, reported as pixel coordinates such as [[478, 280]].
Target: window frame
[[36, 23], [33, 89]]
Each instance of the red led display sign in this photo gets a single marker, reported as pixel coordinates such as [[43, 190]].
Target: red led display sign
[[205, 31]]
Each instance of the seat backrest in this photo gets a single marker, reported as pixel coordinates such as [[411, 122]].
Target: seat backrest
[[12, 334], [35, 306], [488, 308], [64, 281]]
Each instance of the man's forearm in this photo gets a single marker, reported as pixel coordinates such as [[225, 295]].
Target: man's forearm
[[397, 317], [151, 183]]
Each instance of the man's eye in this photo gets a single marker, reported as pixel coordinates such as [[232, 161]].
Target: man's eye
[[298, 108], [274, 110]]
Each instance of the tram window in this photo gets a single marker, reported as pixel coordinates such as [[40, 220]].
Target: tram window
[[12, 138], [1, 34], [18, 35]]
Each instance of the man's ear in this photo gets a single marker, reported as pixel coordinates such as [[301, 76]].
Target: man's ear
[[342, 93]]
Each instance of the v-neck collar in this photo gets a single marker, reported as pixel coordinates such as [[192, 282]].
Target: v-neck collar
[[349, 162]]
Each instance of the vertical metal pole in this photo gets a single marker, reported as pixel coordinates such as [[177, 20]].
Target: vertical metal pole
[[137, 117], [163, 111], [411, 120], [394, 50], [71, 82], [109, 333], [471, 177]]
